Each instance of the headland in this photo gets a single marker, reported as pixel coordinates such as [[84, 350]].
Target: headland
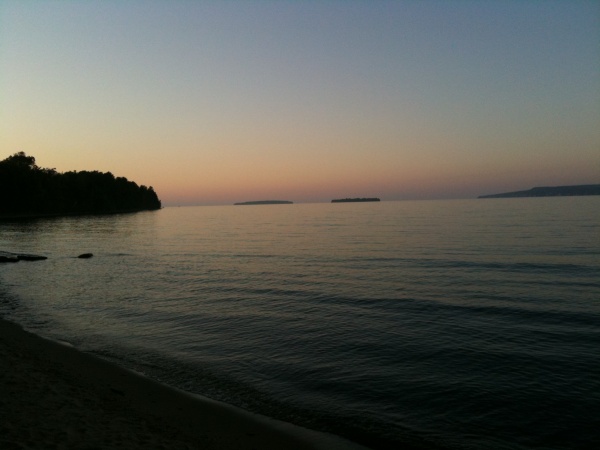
[[551, 191], [28, 191]]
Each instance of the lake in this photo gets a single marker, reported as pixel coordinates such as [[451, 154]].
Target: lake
[[457, 324]]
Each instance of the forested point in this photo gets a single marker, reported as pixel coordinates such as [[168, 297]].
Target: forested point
[[26, 189], [551, 191]]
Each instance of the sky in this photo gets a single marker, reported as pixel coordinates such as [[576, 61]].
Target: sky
[[215, 102]]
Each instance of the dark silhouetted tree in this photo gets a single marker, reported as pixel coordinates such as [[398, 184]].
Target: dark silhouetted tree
[[26, 188]]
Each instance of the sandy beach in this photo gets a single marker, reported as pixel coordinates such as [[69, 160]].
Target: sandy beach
[[55, 397]]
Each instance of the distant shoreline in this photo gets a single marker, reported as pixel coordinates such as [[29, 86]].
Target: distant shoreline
[[30, 216], [353, 200], [265, 202], [551, 191]]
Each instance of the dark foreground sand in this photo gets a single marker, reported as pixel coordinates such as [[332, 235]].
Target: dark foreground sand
[[55, 397]]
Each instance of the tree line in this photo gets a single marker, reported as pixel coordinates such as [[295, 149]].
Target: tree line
[[26, 188]]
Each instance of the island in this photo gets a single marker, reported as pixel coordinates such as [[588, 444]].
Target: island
[[352, 200], [28, 191], [551, 191], [266, 202]]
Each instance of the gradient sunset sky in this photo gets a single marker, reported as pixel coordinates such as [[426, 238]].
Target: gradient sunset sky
[[214, 102]]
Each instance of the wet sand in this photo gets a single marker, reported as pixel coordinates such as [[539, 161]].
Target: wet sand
[[55, 397]]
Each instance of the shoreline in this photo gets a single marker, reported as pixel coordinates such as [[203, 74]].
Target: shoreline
[[54, 396], [33, 216]]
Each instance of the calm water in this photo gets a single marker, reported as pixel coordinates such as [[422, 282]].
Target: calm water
[[453, 324]]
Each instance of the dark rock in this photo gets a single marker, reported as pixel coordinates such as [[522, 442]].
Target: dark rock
[[8, 258], [31, 257], [85, 255], [16, 257]]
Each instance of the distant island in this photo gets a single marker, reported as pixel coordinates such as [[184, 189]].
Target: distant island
[[351, 200], [266, 202], [27, 190], [551, 191]]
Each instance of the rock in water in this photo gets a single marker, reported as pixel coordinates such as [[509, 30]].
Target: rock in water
[[85, 255], [31, 257], [8, 258], [16, 257]]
